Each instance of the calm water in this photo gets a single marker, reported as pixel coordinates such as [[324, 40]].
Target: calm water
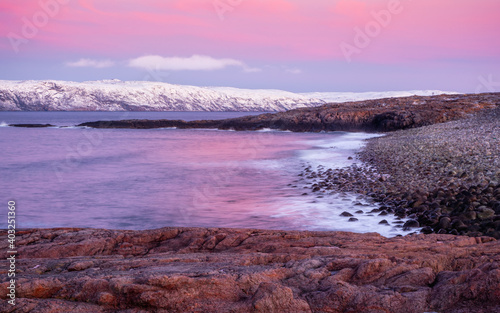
[[142, 179]]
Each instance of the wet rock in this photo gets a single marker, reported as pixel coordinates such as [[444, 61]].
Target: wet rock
[[427, 230], [31, 125], [346, 214], [411, 224]]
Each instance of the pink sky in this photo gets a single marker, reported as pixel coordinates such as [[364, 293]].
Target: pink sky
[[258, 33]]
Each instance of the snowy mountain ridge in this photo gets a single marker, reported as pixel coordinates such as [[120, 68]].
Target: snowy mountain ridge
[[116, 95]]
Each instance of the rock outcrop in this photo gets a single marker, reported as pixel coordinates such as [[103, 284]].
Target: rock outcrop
[[371, 116], [246, 270]]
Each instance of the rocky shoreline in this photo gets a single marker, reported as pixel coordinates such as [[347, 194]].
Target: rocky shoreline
[[370, 116], [444, 177], [248, 270]]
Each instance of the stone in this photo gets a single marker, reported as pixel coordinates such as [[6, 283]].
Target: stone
[[271, 297], [444, 222], [411, 224], [248, 270], [485, 213], [427, 230]]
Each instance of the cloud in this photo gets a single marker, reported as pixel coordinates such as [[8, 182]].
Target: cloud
[[293, 70], [193, 63], [91, 63]]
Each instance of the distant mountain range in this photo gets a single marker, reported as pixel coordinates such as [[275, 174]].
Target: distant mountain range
[[116, 95]]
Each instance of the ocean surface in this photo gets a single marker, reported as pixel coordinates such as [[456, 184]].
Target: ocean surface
[[144, 179]]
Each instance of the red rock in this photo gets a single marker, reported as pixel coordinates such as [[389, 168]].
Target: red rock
[[246, 270]]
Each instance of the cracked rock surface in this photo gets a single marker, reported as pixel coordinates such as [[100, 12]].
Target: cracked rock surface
[[246, 270]]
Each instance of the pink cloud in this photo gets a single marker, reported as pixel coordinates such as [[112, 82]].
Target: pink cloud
[[262, 29]]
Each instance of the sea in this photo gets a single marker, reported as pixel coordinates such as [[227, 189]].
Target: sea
[[69, 176]]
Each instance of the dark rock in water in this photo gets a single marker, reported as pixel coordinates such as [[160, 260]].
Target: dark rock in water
[[384, 222], [427, 230], [359, 212], [31, 125], [383, 213], [353, 219], [411, 224], [345, 214]]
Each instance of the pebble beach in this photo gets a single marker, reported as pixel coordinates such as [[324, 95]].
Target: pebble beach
[[443, 177]]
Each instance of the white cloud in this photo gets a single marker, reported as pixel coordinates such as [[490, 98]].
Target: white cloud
[[193, 63], [293, 71], [91, 63]]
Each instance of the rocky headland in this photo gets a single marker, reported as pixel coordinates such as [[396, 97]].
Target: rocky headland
[[247, 270], [370, 116]]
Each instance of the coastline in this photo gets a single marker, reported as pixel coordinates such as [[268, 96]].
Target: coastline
[[249, 270], [379, 115], [444, 177]]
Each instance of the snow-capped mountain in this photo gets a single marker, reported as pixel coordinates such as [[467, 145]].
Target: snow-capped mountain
[[116, 95]]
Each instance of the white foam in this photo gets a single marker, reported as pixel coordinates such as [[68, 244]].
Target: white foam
[[324, 214], [334, 153]]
